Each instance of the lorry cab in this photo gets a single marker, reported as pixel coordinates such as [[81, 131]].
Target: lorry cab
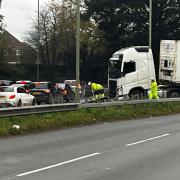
[[129, 72]]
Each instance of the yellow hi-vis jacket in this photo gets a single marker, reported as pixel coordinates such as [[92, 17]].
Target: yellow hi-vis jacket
[[153, 87], [96, 87]]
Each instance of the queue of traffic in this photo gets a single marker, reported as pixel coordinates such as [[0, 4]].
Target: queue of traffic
[[25, 92]]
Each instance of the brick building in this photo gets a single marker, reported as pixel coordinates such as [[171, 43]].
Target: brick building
[[13, 48]]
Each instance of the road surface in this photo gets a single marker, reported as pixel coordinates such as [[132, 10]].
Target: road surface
[[145, 149]]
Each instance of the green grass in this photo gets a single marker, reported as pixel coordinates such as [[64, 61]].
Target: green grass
[[50, 121]]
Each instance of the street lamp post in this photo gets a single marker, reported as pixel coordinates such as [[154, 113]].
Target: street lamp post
[[77, 98], [150, 23], [38, 51], [0, 3]]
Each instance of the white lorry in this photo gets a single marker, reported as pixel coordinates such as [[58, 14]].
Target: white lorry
[[130, 70]]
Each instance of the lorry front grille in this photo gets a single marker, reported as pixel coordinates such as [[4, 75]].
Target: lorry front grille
[[112, 88]]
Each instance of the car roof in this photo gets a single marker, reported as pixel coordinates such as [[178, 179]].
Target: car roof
[[8, 87], [23, 82], [18, 85], [6, 80], [41, 82], [14, 86], [69, 80]]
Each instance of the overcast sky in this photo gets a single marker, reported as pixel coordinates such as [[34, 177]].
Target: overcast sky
[[18, 15]]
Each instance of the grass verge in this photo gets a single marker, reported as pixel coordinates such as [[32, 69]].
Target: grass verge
[[50, 121]]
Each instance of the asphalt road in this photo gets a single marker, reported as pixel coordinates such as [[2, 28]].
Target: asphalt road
[[146, 149]]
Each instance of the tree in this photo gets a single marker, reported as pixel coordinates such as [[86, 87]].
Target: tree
[[58, 38], [28, 54], [126, 23], [57, 33]]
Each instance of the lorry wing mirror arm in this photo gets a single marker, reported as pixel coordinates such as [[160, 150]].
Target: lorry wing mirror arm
[[123, 74]]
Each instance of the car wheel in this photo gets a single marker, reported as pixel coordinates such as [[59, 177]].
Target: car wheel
[[19, 103], [34, 102], [51, 99], [71, 97], [60, 99], [57, 98]]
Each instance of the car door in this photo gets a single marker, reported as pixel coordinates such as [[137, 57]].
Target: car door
[[25, 97]]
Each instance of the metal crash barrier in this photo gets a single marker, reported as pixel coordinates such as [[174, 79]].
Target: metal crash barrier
[[29, 110]]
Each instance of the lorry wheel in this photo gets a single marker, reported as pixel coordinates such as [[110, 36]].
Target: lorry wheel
[[135, 95], [174, 94]]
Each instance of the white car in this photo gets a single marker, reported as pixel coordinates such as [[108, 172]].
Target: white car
[[11, 96]]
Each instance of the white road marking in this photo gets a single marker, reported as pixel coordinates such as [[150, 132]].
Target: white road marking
[[150, 139], [59, 164]]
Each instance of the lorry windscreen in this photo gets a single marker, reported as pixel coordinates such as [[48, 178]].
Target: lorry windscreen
[[115, 68]]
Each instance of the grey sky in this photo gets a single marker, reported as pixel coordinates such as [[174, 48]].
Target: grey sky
[[18, 15]]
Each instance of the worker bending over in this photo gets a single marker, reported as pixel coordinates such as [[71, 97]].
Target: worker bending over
[[97, 90]]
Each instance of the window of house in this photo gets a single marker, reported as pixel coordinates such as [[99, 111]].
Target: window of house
[[18, 52]]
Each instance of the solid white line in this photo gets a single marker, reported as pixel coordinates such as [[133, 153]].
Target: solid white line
[[59, 164], [150, 139]]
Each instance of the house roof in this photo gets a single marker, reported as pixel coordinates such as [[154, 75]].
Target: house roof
[[12, 41]]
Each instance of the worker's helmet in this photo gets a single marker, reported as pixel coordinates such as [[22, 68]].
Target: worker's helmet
[[152, 79], [89, 83]]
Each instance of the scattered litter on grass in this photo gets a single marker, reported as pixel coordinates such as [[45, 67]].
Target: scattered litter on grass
[[44, 122], [15, 126], [47, 115]]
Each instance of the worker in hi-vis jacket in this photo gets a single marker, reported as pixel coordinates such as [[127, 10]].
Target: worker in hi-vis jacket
[[153, 89]]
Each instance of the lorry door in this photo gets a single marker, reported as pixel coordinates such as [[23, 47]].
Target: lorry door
[[129, 78], [167, 67]]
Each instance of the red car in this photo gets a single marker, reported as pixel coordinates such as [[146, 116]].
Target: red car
[[68, 93]]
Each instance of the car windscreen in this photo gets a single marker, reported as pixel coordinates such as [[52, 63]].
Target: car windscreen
[[71, 83], [40, 86], [6, 89]]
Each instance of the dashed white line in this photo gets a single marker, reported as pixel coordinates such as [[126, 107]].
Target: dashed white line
[[59, 164], [87, 156], [150, 139]]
